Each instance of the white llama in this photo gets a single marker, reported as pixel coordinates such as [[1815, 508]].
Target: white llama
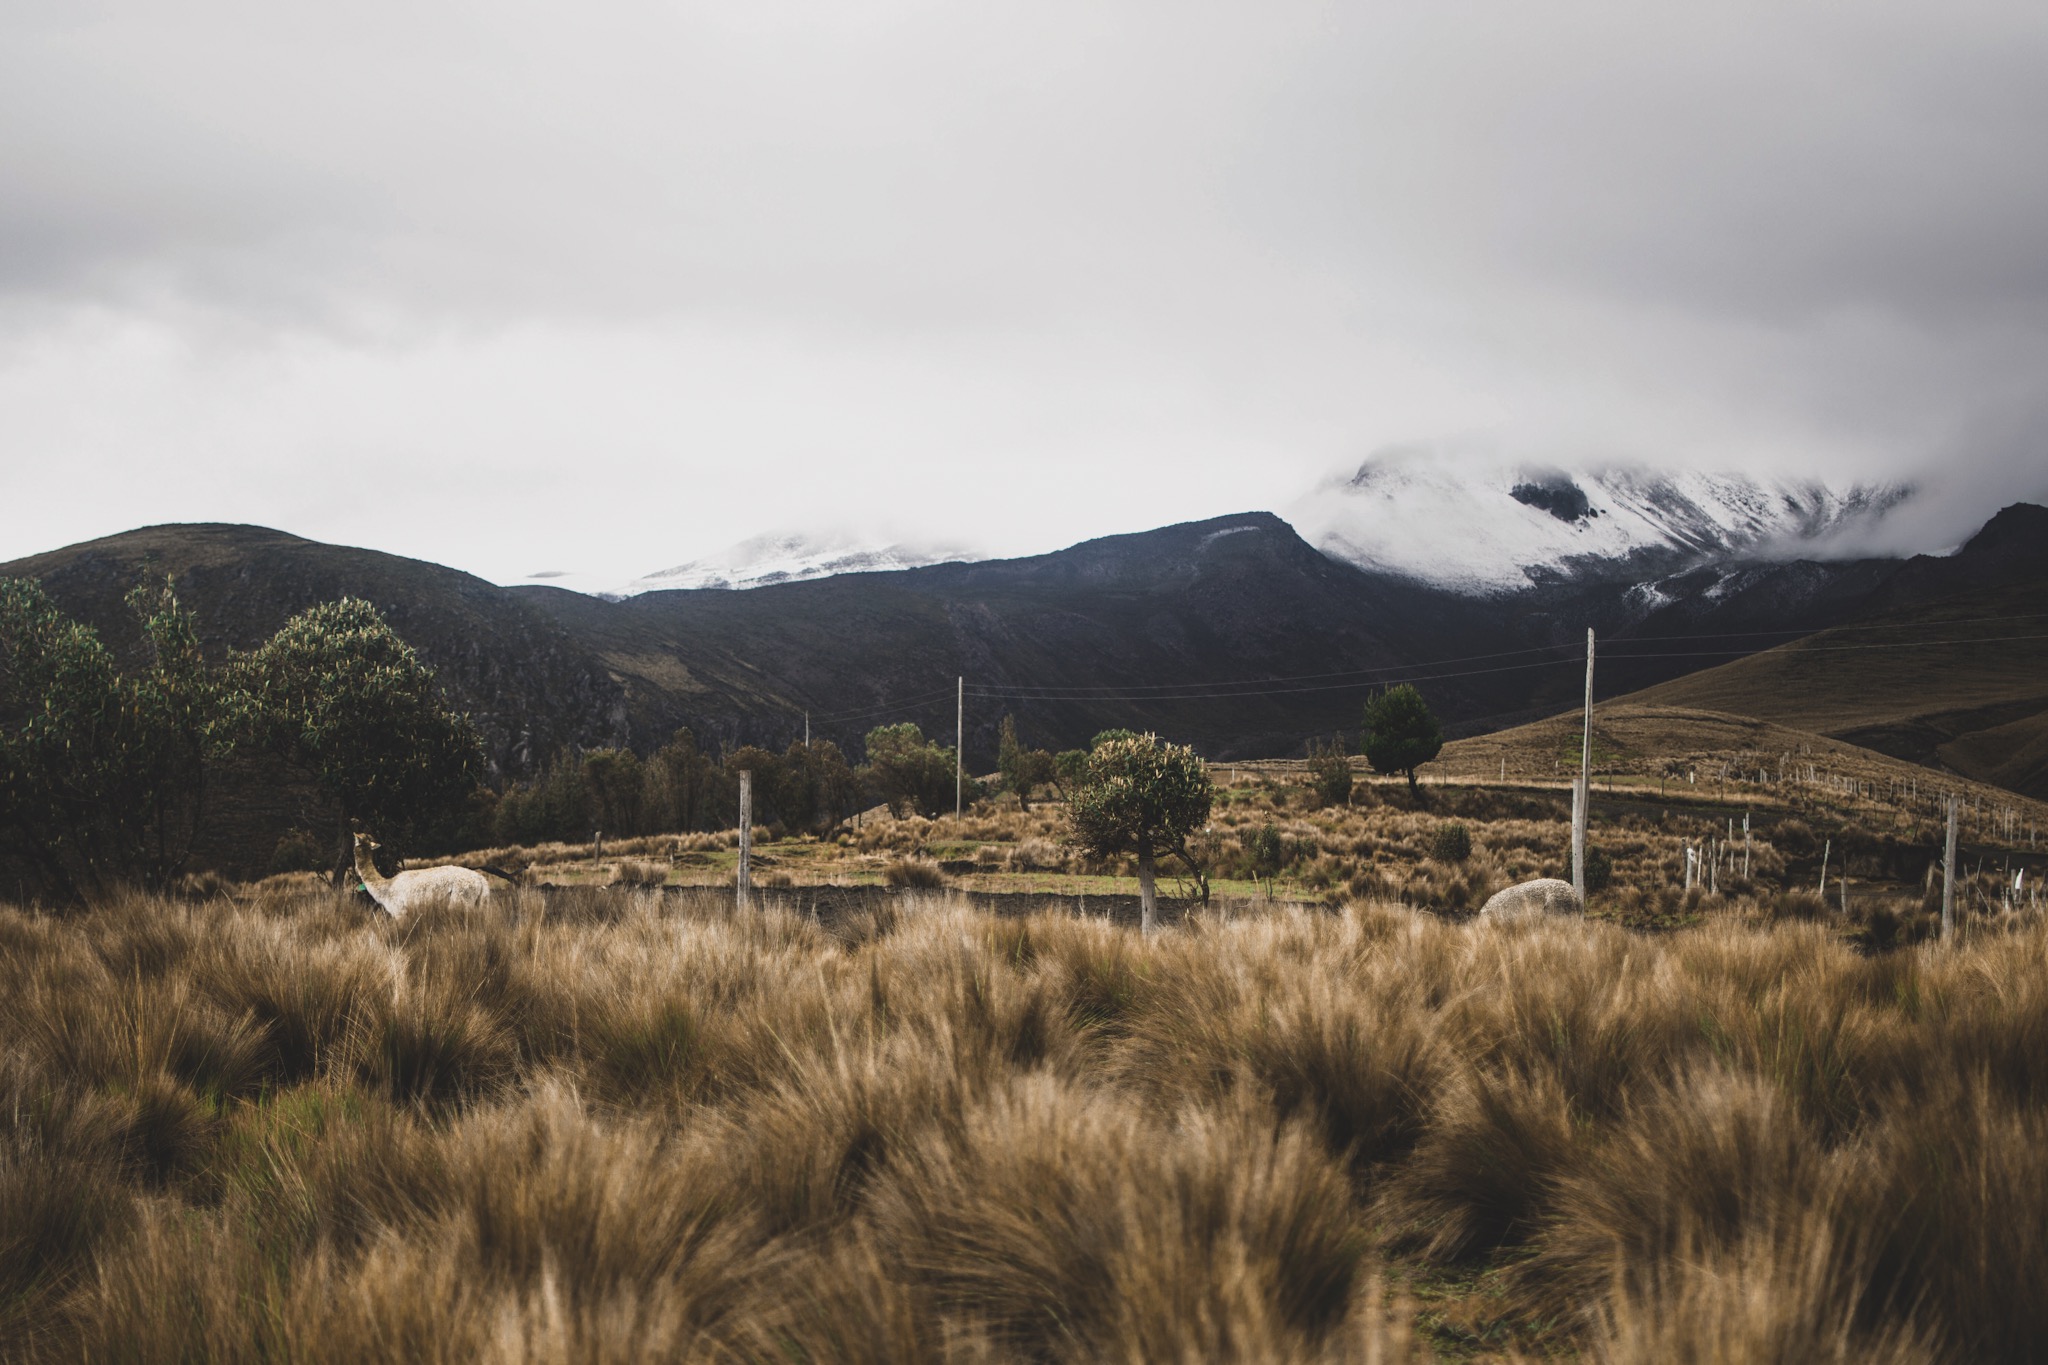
[[409, 890], [1544, 896]]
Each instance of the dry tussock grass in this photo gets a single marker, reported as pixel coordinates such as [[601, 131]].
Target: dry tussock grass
[[608, 1124]]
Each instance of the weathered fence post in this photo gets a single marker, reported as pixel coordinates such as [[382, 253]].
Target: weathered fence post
[[1948, 874], [1582, 794], [745, 884]]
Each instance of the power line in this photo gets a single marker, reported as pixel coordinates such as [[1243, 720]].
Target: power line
[[1054, 693], [1826, 649], [1028, 691], [1279, 691], [1251, 687], [1899, 625], [881, 708]]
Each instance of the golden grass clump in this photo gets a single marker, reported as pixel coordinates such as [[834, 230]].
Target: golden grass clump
[[920, 873], [605, 1123]]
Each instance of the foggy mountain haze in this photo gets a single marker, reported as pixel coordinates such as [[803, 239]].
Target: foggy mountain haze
[[521, 290]]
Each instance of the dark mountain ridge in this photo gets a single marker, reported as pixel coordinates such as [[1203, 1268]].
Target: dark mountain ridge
[[1231, 633]]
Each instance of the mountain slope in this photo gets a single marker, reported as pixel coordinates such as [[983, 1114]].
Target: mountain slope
[[1946, 665], [1175, 610], [1232, 633]]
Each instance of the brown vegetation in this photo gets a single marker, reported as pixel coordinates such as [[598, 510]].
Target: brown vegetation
[[607, 1124]]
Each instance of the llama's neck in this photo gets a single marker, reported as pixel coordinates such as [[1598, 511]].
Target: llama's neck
[[374, 882]]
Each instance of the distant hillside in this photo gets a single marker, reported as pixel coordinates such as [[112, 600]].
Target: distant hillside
[[1234, 634], [530, 685], [1947, 665], [1064, 639]]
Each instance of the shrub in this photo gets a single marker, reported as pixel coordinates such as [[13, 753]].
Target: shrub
[[1452, 843], [297, 851], [1265, 850], [1599, 869], [640, 872], [1330, 774]]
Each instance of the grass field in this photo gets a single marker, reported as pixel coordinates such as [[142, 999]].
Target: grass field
[[610, 1124], [1828, 805]]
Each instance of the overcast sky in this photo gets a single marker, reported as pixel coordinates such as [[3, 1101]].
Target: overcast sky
[[598, 288]]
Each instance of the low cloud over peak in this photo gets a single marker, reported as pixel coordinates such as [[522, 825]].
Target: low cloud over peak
[[1013, 274]]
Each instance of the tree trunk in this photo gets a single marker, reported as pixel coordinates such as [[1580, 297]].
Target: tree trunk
[[345, 855], [1145, 897], [1201, 875], [1411, 782]]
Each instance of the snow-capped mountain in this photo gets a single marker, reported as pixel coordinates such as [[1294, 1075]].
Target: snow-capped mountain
[[769, 559], [1493, 526]]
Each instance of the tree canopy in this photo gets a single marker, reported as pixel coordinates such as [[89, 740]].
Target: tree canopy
[[1024, 770], [103, 773], [1401, 733], [1140, 795], [337, 693], [907, 771]]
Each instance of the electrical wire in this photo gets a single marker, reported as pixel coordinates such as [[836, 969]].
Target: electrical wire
[[1615, 651]]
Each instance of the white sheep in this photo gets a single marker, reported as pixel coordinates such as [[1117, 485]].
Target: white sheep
[[408, 890], [1544, 896]]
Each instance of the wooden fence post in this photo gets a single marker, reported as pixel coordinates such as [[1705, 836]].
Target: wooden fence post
[[1948, 874], [745, 885], [1582, 794]]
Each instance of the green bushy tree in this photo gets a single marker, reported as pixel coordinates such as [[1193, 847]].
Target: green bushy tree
[[1024, 770], [617, 782], [1142, 796], [685, 786], [103, 774], [338, 694], [1069, 766], [816, 788], [907, 771], [1401, 733]]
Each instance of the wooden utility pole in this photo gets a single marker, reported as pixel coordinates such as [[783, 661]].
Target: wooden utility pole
[[1948, 874], [807, 730], [1582, 794], [959, 740], [746, 834]]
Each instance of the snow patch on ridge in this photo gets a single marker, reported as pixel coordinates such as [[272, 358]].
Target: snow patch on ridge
[[1476, 524], [765, 560]]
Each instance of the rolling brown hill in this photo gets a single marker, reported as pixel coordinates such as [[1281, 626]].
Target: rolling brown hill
[[1948, 669]]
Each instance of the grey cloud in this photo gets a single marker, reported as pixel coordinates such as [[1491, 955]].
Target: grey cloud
[[1121, 233]]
